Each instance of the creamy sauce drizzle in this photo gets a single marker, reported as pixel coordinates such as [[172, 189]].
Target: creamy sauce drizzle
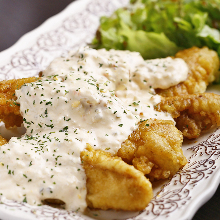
[[95, 97]]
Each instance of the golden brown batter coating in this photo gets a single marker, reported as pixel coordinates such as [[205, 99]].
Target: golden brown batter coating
[[203, 69], [3, 141], [154, 149], [193, 113], [9, 108], [113, 184]]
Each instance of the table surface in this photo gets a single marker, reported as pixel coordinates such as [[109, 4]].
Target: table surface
[[20, 17]]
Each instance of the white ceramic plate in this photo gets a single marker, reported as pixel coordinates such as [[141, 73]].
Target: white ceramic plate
[[178, 198]]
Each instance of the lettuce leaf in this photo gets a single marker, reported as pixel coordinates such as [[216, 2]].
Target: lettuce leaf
[[159, 28], [149, 44]]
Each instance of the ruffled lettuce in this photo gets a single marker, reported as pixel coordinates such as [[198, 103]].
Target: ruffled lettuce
[[159, 28]]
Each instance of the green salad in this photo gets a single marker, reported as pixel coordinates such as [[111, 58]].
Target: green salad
[[160, 28]]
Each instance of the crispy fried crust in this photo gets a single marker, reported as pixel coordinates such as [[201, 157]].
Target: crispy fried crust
[[113, 184], [11, 120], [9, 108], [203, 69], [193, 113], [154, 149], [3, 141]]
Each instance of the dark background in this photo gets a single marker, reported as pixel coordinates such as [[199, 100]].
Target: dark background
[[18, 17]]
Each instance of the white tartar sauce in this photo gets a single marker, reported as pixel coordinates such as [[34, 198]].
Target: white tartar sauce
[[91, 96]]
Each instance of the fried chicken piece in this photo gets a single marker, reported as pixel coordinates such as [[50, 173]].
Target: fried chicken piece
[[203, 69], [113, 184], [154, 149], [3, 141], [193, 113], [11, 120], [9, 108]]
